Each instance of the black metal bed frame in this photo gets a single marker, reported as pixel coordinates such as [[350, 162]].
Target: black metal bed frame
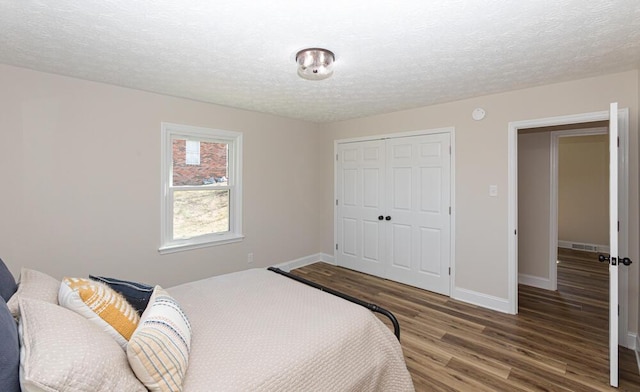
[[371, 307]]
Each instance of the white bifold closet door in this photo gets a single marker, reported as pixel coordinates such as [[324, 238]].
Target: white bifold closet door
[[393, 209]]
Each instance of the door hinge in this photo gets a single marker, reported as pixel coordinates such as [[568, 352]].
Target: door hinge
[[336, 246], [515, 232], [618, 226], [336, 157], [336, 201], [449, 210], [618, 141], [449, 270], [449, 150], [618, 310]]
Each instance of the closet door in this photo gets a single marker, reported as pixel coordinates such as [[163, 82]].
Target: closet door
[[360, 204], [418, 196]]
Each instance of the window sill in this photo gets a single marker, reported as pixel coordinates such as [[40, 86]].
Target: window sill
[[179, 247]]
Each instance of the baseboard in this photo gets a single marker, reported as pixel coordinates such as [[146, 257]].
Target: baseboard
[[480, 299], [631, 341], [304, 261], [637, 351], [583, 246], [535, 281]]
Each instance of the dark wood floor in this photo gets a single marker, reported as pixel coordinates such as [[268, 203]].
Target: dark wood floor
[[557, 342]]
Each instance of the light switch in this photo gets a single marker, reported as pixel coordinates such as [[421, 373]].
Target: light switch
[[493, 190]]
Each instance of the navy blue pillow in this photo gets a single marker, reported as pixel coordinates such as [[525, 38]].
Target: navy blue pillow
[[7, 282], [137, 294], [9, 351]]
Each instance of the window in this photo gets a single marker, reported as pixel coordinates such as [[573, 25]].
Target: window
[[192, 152], [201, 187]]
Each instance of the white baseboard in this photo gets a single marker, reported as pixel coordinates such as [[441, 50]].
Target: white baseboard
[[535, 281], [480, 299], [630, 341], [637, 351], [579, 245], [304, 261]]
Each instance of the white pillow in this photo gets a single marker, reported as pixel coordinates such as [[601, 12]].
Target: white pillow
[[102, 305], [158, 351], [62, 351], [36, 285]]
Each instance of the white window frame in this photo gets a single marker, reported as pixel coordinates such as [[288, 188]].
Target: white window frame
[[170, 131]]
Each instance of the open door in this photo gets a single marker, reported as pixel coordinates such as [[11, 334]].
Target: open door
[[614, 258], [613, 244]]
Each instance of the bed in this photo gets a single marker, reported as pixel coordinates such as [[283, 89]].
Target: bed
[[253, 330]]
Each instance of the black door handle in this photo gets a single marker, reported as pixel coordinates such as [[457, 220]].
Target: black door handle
[[603, 258], [626, 261], [387, 217], [380, 217]]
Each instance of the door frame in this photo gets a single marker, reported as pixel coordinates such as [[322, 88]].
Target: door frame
[[451, 132], [553, 221], [512, 197]]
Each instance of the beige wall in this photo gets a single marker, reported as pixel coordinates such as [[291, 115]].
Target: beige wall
[[583, 183], [80, 178], [481, 158], [79, 163], [534, 198]]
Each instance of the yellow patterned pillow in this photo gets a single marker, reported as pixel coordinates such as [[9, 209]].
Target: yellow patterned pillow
[[102, 305]]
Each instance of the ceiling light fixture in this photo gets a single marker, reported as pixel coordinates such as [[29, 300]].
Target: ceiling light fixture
[[315, 63]]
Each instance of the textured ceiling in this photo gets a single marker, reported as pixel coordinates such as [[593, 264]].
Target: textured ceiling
[[390, 55]]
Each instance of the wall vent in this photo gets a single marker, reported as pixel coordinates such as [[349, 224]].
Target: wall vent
[[598, 248], [585, 247]]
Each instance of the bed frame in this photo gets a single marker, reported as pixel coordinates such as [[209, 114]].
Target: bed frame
[[371, 307]]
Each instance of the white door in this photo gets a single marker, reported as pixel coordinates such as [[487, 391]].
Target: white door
[[393, 209], [360, 204], [613, 244], [418, 195]]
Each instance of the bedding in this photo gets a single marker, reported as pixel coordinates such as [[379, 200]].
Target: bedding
[[63, 351], [158, 351], [137, 294], [7, 282], [252, 330], [36, 285], [9, 351], [255, 330]]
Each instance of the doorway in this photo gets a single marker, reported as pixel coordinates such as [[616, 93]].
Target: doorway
[[563, 197]]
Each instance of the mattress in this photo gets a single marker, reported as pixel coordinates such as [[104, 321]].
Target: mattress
[[256, 330]]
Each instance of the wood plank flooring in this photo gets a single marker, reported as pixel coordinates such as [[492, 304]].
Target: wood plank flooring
[[557, 342]]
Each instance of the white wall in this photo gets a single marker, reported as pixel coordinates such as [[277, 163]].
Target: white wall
[[534, 200], [481, 160], [583, 183], [79, 165]]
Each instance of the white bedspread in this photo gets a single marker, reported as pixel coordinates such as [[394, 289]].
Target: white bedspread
[[258, 331]]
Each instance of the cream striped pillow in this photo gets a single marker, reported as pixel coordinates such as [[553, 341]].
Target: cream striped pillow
[[100, 304], [158, 351]]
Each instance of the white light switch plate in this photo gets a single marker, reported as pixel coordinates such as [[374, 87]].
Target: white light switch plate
[[493, 190]]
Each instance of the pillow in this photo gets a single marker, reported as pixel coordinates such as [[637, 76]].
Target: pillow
[[35, 285], [137, 294], [9, 351], [63, 351], [101, 305], [7, 282], [158, 351]]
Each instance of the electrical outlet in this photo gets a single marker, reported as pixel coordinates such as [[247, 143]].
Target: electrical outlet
[[250, 257]]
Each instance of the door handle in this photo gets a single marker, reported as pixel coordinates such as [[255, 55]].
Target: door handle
[[612, 260], [380, 217], [387, 218], [626, 261]]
